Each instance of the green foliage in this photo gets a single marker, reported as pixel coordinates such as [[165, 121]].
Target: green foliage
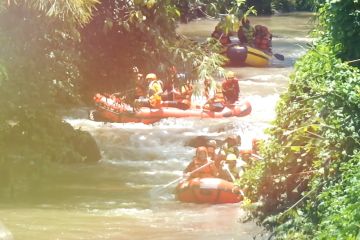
[[339, 204], [51, 78], [308, 186], [312, 146], [294, 5], [38, 74], [339, 24], [123, 35]]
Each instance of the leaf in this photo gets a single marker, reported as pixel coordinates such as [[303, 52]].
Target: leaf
[[138, 2], [150, 3], [295, 148]]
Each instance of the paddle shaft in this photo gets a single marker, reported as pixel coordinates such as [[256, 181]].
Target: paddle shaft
[[233, 178], [257, 156], [228, 171], [180, 178]]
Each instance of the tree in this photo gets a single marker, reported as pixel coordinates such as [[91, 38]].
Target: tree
[[38, 75]]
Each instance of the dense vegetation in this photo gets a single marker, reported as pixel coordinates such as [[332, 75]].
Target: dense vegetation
[[38, 75], [308, 187]]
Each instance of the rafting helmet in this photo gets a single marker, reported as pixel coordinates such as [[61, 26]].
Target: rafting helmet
[[211, 143], [245, 155], [229, 75], [234, 139], [151, 76], [231, 157]]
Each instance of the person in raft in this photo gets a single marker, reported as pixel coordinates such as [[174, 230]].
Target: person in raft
[[211, 147], [263, 38], [246, 32], [186, 90], [231, 146], [230, 88], [219, 34], [228, 168], [216, 102], [198, 161], [209, 91], [154, 90], [170, 92]]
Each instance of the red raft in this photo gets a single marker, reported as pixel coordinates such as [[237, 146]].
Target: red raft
[[207, 190], [110, 110]]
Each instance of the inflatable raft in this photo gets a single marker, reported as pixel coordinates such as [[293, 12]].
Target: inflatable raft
[[109, 110], [242, 54], [207, 190]]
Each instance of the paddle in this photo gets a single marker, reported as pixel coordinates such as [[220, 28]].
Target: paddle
[[257, 156], [279, 56], [226, 167], [186, 176]]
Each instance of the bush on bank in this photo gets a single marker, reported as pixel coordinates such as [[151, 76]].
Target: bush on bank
[[308, 186], [312, 151]]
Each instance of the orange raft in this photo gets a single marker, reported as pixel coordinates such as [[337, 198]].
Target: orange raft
[[110, 110], [207, 190]]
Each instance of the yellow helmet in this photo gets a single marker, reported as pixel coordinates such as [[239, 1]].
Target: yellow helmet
[[151, 76], [231, 157], [230, 74]]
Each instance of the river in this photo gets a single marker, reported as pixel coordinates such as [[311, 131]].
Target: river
[[121, 196]]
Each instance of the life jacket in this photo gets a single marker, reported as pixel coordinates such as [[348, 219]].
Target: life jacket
[[230, 86], [154, 87], [262, 38], [219, 96], [216, 104], [231, 90], [222, 37], [246, 35], [202, 173], [186, 91], [207, 89]]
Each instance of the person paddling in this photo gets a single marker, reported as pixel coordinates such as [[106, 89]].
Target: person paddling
[[199, 160], [216, 103], [155, 90], [228, 169], [230, 87]]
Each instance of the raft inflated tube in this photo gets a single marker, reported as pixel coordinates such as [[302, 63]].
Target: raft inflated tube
[[207, 190], [119, 112], [239, 54]]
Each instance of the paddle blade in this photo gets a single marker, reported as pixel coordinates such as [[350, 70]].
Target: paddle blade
[[279, 56]]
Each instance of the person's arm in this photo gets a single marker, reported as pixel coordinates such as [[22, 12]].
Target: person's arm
[[214, 170], [189, 167]]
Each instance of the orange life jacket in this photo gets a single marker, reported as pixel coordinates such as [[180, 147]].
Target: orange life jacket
[[222, 37], [219, 96], [202, 173], [186, 91]]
